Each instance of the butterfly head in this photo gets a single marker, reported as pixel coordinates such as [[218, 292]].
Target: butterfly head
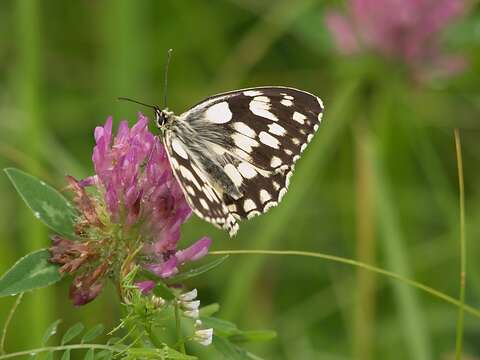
[[162, 118]]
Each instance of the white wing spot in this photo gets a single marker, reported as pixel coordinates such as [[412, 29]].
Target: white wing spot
[[174, 163], [287, 179], [303, 147], [187, 174], [276, 185], [219, 113], [252, 93], [320, 116], [244, 129], [276, 129], [247, 170], [177, 146], [249, 205], [190, 190], [244, 142], [261, 108], [309, 137], [298, 117], [287, 97], [275, 162], [315, 127], [288, 152], [233, 174], [269, 206], [264, 196], [320, 102], [204, 203], [281, 194], [232, 207], [253, 214], [264, 99], [210, 193], [286, 102], [296, 141], [268, 140]]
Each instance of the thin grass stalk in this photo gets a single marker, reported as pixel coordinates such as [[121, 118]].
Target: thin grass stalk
[[390, 274], [363, 330], [28, 85], [8, 321], [463, 245], [312, 163]]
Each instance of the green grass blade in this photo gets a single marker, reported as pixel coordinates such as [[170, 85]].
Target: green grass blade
[[396, 256], [28, 82], [463, 246]]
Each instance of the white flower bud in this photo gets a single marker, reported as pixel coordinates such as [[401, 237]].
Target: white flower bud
[[189, 296], [204, 336], [192, 314], [191, 305]]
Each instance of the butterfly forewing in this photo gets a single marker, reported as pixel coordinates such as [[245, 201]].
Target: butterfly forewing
[[234, 152]]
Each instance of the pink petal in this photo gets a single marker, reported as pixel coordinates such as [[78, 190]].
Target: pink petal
[[195, 251], [342, 32]]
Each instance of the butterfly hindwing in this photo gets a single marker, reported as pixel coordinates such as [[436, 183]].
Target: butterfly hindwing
[[241, 146]]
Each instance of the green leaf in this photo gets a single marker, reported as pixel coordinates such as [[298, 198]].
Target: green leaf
[[229, 350], [93, 333], [104, 355], [90, 355], [163, 291], [66, 355], [51, 330], [210, 309], [221, 327], [49, 356], [72, 332], [32, 271], [47, 204], [252, 336], [196, 271], [227, 329]]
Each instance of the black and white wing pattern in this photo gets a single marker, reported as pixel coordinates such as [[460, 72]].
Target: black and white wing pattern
[[234, 153]]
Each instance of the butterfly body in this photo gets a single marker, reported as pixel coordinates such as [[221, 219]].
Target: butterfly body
[[234, 153]]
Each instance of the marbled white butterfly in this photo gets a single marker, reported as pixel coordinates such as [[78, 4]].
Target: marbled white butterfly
[[234, 153]]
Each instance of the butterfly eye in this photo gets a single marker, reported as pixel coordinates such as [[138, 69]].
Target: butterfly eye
[[159, 118]]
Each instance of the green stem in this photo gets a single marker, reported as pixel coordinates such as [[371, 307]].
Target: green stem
[[7, 323], [178, 325], [438, 294], [60, 348], [463, 251]]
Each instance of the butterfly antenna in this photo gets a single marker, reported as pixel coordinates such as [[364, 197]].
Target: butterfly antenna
[[136, 102], [169, 56]]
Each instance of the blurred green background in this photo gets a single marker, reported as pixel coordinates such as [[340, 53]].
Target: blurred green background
[[377, 184]]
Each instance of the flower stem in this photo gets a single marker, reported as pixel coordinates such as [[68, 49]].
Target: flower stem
[[59, 348], [178, 326], [7, 322], [463, 251], [438, 294]]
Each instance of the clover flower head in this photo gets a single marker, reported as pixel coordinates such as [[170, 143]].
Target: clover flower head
[[407, 30], [132, 202]]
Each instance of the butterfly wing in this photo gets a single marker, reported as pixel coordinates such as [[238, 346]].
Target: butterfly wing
[[234, 153]]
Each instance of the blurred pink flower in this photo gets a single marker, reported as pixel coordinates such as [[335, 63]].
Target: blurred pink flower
[[137, 202], [407, 30]]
